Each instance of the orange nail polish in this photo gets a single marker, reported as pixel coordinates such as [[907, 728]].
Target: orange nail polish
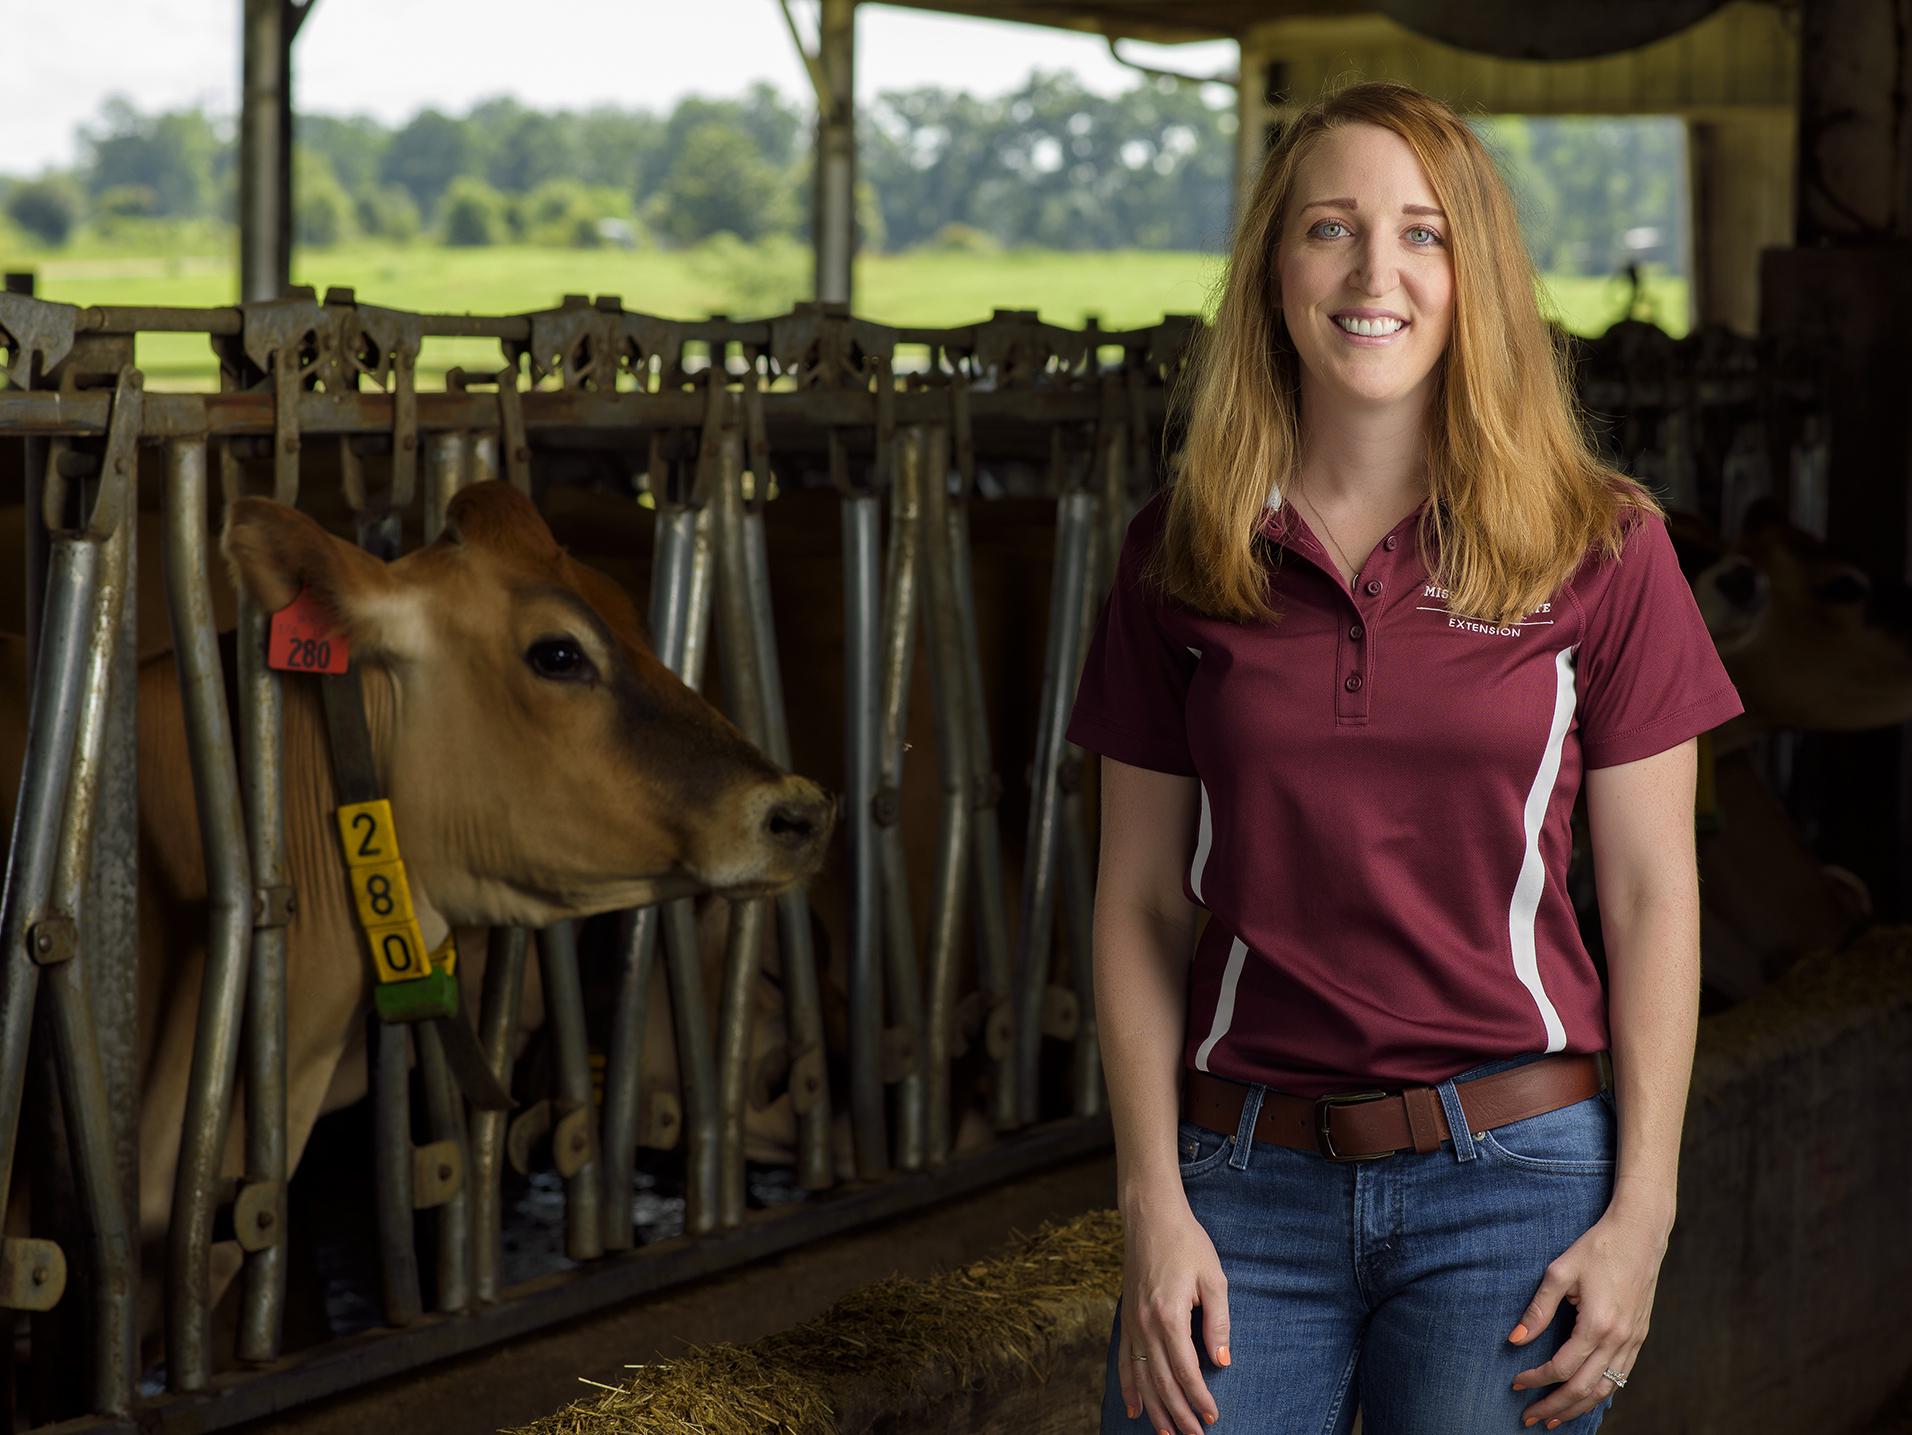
[[1132, 1411], [1221, 1355], [1520, 1333], [1552, 1423], [1519, 1386]]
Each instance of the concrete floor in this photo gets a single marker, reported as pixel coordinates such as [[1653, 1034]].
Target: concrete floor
[[516, 1383]]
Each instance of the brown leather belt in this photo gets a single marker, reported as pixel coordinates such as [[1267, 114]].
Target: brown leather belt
[[1366, 1125]]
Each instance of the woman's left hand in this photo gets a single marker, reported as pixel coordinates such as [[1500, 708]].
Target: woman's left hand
[[1609, 1275]]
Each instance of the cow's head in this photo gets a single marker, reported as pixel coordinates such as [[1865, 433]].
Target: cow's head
[[1807, 641], [541, 762]]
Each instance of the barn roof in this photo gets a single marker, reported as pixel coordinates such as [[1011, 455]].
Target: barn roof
[[1139, 19]]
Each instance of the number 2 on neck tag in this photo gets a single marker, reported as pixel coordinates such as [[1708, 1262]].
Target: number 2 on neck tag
[[302, 640]]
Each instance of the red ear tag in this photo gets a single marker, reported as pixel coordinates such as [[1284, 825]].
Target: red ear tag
[[302, 640]]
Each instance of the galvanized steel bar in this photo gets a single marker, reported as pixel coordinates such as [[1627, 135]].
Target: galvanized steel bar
[[445, 465], [1075, 515], [229, 895], [52, 723], [696, 1064], [993, 954], [902, 1008], [950, 704], [868, 1118], [564, 1009], [446, 1122], [744, 700], [112, 1328], [388, 1074], [803, 1010], [263, 1041], [624, 1062], [497, 1033]]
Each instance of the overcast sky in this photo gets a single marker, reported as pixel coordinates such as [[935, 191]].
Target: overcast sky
[[391, 57]]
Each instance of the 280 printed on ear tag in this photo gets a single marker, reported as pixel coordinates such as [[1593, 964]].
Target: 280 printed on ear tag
[[302, 640]]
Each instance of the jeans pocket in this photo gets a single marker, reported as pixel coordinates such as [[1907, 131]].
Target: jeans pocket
[[1577, 1139], [1199, 1149]]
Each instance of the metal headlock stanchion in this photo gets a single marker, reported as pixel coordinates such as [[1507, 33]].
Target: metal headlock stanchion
[[229, 889], [744, 700], [72, 713], [901, 1006], [861, 769], [497, 1033], [573, 1132], [994, 955], [950, 704], [808, 1081], [1045, 1009]]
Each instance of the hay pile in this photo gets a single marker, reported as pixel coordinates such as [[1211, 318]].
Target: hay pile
[[887, 1347]]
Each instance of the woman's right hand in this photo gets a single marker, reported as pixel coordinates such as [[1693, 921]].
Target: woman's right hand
[[1169, 1267]]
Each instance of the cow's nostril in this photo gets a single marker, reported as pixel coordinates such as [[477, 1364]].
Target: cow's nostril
[[794, 822]]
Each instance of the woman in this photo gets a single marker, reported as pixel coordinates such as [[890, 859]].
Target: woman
[[1426, 1155]]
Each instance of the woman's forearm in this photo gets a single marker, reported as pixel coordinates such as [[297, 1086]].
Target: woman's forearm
[[1653, 984], [1141, 1007]]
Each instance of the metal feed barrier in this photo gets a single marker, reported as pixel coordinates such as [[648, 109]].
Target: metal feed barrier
[[906, 425]]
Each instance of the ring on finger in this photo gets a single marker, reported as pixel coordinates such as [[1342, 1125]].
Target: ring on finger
[[1619, 1380]]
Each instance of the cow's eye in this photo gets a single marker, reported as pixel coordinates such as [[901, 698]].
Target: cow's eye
[[560, 659]]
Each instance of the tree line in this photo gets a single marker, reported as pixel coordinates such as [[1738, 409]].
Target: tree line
[[1048, 164]]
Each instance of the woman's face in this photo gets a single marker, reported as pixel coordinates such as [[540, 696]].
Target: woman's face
[[1367, 282]]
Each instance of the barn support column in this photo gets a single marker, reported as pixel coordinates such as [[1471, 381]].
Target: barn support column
[[1741, 168], [833, 200], [1258, 107], [1845, 290], [265, 146]]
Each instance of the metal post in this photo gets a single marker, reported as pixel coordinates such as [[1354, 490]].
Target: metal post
[[949, 701], [90, 1132], [265, 146], [229, 893], [445, 1120], [869, 1124], [262, 1045], [1075, 515], [498, 1026], [834, 227], [388, 1073], [809, 1086], [993, 954], [902, 1011], [572, 1128], [444, 476]]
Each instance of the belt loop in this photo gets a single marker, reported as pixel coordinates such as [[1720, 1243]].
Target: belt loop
[[1456, 1121], [1245, 1128]]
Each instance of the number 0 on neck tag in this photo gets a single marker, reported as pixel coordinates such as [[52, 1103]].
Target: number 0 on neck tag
[[302, 639]]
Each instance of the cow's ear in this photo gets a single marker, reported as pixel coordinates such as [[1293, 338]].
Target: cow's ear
[[274, 551]]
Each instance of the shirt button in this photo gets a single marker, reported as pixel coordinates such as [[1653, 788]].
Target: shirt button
[[1356, 631], [1353, 684], [1390, 542], [1374, 586]]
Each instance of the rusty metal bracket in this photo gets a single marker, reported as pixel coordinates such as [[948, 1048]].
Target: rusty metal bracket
[[514, 449], [53, 939], [296, 341], [32, 327], [522, 1135], [438, 1168], [32, 1274], [117, 465], [274, 906], [578, 343], [392, 339]]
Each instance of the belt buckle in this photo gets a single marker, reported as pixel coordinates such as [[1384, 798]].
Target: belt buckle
[[1325, 1143]]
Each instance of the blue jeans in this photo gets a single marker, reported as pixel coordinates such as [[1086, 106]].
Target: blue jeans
[[1388, 1285]]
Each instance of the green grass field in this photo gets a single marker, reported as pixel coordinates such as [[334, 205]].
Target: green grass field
[[1122, 289]]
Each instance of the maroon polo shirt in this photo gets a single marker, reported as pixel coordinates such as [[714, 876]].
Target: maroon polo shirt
[[1387, 789]]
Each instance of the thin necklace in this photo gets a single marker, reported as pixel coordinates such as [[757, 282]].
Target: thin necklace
[[1335, 541]]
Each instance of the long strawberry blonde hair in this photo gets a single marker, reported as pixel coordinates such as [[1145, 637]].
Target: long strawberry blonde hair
[[1518, 494]]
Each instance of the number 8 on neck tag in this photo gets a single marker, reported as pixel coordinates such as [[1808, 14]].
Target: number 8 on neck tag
[[302, 640]]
